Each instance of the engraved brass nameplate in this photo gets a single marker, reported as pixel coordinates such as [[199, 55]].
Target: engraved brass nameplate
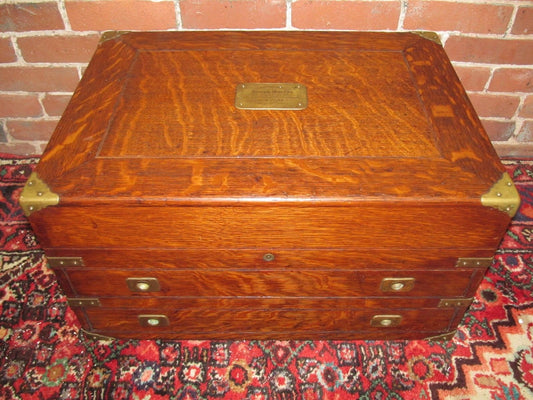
[[271, 96]]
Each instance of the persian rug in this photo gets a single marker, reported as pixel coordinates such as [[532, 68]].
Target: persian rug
[[43, 355]]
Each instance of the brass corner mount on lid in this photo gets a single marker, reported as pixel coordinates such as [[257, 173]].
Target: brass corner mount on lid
[[503, 196], [433, 36], [36, 195], [108, 35]]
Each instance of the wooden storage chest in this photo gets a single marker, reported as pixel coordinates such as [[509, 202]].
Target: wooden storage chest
[[254, 185]]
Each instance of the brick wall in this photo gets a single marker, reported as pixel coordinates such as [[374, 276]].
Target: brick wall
[[45, 45]]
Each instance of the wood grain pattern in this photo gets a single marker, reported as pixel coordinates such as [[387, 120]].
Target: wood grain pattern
[[372, 96], [260, 323], [262, 283], [372, 258], [191, 113], [391, 225]]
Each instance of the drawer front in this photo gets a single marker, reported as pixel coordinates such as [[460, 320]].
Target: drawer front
[[295, 283], [268, 258], [262, 323]]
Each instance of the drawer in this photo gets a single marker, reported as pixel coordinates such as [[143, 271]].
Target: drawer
[[268, 258], [292, 283], [256, 323]]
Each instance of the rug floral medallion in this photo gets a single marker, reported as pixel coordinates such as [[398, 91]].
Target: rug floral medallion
[[43, 354]]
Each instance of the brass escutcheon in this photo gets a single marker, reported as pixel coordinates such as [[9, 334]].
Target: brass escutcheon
[[269, 257]]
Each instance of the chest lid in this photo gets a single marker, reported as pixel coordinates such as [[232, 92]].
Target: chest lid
[[239, 117]]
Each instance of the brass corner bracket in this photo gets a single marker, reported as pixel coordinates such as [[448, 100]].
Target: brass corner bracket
[[433, 36], [481, 262], [503, 196], [85, 334], [36, 195], [108, 35], [442, 338]]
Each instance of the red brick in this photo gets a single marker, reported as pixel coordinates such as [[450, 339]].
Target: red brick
[[39, 79], [55, 104], [121, 15], [512, 80], [526, 132], [233, 14], [16, 105], [58, 48], [498, 130], [31, 129], [362, 15], [473, 78], [515, 150], [527, 108], [523, 23], [493, 105], [492, 51], [20, 148], [7, 53], [30, 17], [457, 16]]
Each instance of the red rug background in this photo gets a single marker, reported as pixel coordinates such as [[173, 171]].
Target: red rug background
[[42, 355]]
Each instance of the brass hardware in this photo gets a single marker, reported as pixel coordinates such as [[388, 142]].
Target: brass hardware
[[385, 321], [36, 195], [455, 302], [153, 320], [111, 35], [143, 284], [94, 336], [58, 262], [271, 96], [397, 284], [84, 302], [503, 196], [474, 262], [442, 338], [433, 36], [269, 257]]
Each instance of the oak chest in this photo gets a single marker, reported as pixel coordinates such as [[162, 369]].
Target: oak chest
[[253, 185]]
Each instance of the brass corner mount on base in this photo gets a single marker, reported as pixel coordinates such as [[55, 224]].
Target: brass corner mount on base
[[442, 338], [84, 334], [36, 195], [503, 196]]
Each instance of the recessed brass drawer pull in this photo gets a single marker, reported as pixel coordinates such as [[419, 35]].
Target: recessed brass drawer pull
[[143, 284], [386, 321], [397, 284], [153, 320]]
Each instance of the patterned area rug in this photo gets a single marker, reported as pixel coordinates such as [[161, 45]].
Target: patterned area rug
[[42, 355]]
